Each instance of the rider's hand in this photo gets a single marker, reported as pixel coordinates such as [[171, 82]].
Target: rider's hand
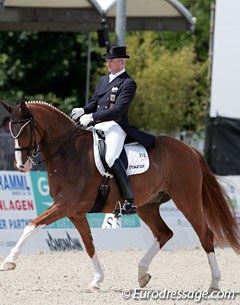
[[77, 113], [86, 119]]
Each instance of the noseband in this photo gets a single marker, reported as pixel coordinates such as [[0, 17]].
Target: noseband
[[32, 148]]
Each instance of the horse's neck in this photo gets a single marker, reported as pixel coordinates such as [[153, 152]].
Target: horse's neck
[[52, 123], [54, 130], [73, 151], [54, 127]]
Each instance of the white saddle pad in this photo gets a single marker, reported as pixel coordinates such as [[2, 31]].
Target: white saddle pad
[[138, 161]]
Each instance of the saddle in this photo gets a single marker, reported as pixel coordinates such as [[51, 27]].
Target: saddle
[[133, 156]]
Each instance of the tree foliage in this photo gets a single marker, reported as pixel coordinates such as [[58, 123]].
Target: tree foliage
[[172, 87], [44, 65], [170, 70]]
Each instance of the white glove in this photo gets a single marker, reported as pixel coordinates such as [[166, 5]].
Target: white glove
[[86, 119], [77, 113]]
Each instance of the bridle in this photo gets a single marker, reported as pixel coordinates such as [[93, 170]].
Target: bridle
[[32, 149]]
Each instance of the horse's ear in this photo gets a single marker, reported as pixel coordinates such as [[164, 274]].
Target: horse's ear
[[7, 107], [24, 109]]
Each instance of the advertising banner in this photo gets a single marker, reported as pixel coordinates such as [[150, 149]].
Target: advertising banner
[[24, 196], [17, 203]]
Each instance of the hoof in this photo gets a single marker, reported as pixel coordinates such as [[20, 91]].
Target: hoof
[[93, 288], [7, 266], [212, 289], [144, 280]]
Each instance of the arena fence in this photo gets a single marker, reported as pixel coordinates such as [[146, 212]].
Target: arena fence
[[7, 148]]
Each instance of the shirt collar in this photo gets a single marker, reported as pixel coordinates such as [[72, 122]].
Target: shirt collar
[[113, 76]]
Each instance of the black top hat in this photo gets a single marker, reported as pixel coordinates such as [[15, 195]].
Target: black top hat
[[116, 52]]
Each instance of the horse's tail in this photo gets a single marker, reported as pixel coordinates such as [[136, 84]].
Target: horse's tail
[[216, 207]]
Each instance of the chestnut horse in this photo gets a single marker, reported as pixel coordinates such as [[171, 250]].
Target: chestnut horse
[[176, 171]]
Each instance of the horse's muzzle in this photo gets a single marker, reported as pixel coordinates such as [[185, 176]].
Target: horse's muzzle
[[24, 167]]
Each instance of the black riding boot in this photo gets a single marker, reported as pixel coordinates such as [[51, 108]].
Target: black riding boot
[[120, 175]]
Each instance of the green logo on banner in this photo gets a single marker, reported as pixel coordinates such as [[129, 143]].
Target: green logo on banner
[[43, 199]]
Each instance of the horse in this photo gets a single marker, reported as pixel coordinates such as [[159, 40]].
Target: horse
[[176, 171]]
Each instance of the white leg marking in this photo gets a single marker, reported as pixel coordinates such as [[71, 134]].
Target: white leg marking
[[216, 274], [9, 262], [98, 277], [143, 276]]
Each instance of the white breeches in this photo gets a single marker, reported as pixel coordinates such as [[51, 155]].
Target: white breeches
[[114, 139]]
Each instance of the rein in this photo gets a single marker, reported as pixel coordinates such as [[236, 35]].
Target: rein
[[61, 139], [32, 149]]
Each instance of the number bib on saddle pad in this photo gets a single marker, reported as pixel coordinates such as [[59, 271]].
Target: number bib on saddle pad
[[137, 157], [138, 161]]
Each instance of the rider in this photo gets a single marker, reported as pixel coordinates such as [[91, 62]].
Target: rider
[[108, 110]]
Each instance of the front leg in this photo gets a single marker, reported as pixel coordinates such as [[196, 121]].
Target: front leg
[[52, 214], [9, 262], [82, 225]]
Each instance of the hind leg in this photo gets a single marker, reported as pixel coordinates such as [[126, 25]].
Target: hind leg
[[204, 233], [206, 238], [216, 274], [52, 214], [151, 216]]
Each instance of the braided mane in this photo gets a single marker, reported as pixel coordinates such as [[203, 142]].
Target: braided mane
[[46, 105]]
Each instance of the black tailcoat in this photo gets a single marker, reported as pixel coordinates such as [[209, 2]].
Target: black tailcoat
[[111, 101]]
